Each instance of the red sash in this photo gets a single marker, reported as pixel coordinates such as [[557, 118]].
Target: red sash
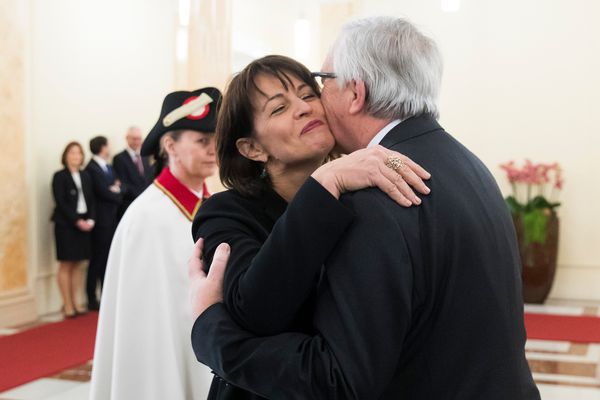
[[183, 197]]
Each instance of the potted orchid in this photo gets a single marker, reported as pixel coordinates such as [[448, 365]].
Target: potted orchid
[[533, 204]]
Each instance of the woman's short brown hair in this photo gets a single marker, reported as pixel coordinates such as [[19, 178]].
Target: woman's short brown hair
[[235, 119], [63, 158]]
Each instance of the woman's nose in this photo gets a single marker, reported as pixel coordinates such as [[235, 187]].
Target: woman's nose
[[211, 147], [303, 108]]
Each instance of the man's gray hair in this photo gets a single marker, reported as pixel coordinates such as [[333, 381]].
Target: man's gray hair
[[401, 67]]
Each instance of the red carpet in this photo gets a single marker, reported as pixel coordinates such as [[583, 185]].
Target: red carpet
[[46, 350], [52, 348], [563, 327]]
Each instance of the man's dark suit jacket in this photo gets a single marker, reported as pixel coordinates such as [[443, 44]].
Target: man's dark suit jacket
[[66, 196], [107, 202], [132, 183], [418, 303]]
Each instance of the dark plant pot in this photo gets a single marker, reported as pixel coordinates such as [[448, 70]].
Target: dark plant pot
[[538, 261]]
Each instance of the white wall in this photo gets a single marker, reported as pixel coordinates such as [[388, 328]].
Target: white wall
[[262, 27], [95, 68], [521, 80]]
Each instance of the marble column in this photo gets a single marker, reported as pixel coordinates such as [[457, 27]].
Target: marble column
[[333, 16], [16, 301], [209, 55], [208, 61]]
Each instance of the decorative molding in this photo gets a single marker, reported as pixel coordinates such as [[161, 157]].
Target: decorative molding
[[17, 308], [11, 294], [45, 275]]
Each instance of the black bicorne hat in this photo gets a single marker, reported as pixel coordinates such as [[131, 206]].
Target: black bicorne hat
[[196, 111]]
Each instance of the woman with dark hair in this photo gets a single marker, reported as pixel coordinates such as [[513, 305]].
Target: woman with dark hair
[[281, 217], [73, 219]]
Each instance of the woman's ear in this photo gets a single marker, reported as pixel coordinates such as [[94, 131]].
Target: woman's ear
[[167, 143], [249, 148], [359, 98]]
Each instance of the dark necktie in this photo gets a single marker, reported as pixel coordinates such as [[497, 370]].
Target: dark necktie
[[109, 173], [139, 164]]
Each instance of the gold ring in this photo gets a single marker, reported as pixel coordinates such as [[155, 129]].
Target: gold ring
[[394, 163]]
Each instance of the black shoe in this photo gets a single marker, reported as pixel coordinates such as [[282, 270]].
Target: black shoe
[[93, 306]]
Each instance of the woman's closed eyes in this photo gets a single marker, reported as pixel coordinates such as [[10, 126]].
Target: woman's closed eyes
[[281, 107]]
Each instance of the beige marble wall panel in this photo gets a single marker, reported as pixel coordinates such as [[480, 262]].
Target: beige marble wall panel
[[333, 17], [13, 197], [209, 53]]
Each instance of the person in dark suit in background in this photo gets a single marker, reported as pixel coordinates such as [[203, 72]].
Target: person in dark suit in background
[[133, 170], [73, 219], [414, 303], [108, 196]]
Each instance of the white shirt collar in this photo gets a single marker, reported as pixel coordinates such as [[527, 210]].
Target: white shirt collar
[[386, 129], [132, 153], [101, 161]]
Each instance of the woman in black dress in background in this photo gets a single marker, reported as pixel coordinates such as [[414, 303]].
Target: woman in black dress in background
[[73, 220]]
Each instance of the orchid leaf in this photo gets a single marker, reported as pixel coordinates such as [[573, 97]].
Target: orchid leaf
[[514, 206], [534, 226]]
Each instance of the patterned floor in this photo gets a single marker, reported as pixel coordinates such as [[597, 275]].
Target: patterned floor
[[565, 370], [562, 370]]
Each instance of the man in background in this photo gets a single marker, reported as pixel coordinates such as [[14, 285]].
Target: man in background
[[133, 170], [107, 192]]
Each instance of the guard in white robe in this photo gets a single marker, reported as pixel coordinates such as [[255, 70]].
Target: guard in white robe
[[143, 348]]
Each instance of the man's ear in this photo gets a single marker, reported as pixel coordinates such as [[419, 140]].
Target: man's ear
[[359, 96], [249, 148]]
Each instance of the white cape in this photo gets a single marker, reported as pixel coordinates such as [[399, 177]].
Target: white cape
[[143, 347]]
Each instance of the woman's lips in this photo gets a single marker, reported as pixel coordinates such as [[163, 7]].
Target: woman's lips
[[311, 125]]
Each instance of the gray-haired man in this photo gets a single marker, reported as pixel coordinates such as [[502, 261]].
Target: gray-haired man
[[418, 303]]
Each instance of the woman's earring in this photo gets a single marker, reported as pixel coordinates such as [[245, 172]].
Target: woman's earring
[[263, 173]]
